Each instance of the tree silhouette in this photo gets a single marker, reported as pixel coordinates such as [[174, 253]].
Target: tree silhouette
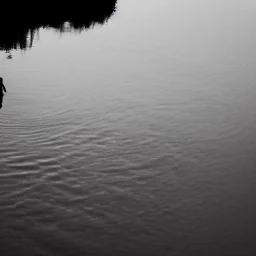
[[18, 26]]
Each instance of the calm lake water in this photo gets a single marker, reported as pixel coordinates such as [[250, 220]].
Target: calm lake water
[[137, 137]]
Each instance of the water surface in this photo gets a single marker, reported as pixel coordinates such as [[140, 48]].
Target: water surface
[[136, 137]]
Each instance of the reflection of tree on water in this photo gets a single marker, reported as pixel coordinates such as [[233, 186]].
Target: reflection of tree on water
[[18, 30]]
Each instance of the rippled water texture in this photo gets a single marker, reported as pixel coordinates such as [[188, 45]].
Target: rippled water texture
[[136, 137]]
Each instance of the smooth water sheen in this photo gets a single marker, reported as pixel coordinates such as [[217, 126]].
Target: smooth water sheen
[[133, 138]]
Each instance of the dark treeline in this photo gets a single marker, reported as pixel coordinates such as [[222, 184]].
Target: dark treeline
[[20, 21]]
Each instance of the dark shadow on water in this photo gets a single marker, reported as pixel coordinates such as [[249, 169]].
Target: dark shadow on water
[[20, 21]]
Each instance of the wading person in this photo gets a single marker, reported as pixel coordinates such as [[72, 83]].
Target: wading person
[[2, 86], [2, 90]]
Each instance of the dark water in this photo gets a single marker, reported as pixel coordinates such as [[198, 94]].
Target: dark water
[[137, 137]]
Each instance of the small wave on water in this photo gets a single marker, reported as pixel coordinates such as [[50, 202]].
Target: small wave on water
[[88, 180]]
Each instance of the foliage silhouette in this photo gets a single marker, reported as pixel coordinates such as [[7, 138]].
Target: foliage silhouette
[[18, 27]]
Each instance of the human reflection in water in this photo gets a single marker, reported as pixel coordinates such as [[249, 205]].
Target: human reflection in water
[[2, 88]]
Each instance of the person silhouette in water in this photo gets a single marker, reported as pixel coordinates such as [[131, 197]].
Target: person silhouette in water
[[2, 88]]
